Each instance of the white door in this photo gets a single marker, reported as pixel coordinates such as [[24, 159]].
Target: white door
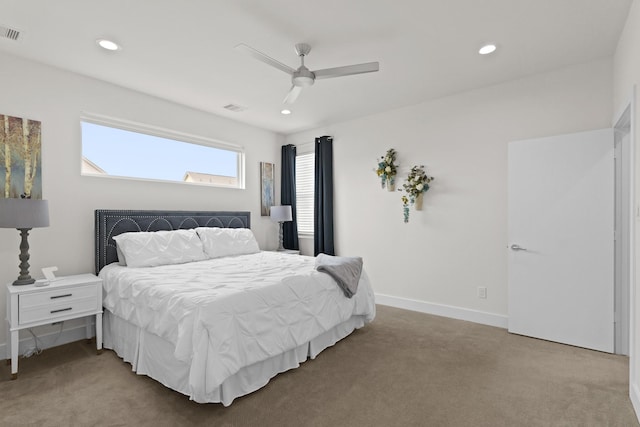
[[561, 239]]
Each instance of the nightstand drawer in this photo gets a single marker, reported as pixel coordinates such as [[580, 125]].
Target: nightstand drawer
[[56, 303]]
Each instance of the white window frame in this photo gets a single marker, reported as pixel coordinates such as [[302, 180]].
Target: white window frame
[[168, 134]]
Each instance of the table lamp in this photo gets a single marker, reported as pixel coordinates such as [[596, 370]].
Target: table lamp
[[24, 214], [281, 214]]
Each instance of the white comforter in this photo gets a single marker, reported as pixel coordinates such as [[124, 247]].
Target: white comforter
[[226, 313]]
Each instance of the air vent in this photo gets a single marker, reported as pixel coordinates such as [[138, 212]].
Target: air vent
[[9, 33], [235, 108]]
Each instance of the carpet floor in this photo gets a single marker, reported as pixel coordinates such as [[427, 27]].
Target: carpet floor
[[404, 369]]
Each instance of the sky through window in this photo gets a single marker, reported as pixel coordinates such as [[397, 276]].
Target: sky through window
[[137, 155]]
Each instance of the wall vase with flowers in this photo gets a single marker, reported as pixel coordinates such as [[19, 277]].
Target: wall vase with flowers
[[415, 186], [387, 170]]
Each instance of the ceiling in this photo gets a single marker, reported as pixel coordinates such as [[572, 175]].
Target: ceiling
[[183, 51]]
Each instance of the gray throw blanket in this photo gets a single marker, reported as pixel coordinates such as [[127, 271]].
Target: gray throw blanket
[[345, 270]]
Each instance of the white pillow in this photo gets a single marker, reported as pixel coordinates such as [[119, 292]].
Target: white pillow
[[150, 249], [121, 258], [219, 242]]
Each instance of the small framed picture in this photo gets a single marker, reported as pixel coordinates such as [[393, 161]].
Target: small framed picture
[[267, 190]]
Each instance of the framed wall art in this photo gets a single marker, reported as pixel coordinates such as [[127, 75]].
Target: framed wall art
[[267, 190], [20, 158]]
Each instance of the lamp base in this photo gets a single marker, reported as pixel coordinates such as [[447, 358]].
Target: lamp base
[[24, 278], [21, 282], [280, 238]]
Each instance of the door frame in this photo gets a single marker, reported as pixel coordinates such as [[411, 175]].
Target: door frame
[[628, 111], [624, 230]]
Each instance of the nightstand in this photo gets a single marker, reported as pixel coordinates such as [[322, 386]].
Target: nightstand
[[65, 298]]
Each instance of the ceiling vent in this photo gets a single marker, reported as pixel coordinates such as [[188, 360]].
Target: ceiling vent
[[9, 33], [235, 108]]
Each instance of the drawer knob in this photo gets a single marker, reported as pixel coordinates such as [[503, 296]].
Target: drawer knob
[[61, 296], [59, 310]]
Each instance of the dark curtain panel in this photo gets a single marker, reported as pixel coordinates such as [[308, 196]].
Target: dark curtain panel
[[323, 198], [288, 195]]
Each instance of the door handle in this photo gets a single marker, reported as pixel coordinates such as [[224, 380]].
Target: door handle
[[515, 247]]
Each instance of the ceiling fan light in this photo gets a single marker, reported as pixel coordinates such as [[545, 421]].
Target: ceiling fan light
[[302, 81], [487, 49], [303, 77], [285, 112]]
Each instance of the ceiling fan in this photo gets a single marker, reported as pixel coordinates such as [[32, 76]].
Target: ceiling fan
[[303, 77]]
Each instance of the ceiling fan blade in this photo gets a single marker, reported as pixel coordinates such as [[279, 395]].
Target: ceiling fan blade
[[292, 95], [264, 58], [348, 70]]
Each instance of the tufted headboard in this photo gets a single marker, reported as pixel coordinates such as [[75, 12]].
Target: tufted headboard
[[110, 223]]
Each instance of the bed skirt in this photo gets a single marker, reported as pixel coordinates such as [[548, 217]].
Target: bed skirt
[[152, 355]]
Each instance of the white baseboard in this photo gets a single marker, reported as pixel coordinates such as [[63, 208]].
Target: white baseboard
[[482, 317], [634, 395], [49, 339]]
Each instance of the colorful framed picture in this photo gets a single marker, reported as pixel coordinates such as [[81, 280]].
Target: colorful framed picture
[[20, 158], [267, 190]]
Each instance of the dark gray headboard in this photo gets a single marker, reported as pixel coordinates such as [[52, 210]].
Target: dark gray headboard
[[110, 223]]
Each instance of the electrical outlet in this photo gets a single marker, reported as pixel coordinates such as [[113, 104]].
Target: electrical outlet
[[482, 292]]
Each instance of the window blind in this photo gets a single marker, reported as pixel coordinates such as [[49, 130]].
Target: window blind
[[305, 164]]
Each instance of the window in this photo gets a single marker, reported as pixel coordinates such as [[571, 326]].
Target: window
[[305, 166], [131, 150]]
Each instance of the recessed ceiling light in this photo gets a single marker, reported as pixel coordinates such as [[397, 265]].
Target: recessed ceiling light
[[285, 112], [487, 49], [108, 44]]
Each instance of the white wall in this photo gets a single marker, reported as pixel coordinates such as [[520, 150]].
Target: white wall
[[459, 241], [626, 75], [57, 98]]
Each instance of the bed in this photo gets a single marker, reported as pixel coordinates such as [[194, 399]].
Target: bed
[[219, 327]]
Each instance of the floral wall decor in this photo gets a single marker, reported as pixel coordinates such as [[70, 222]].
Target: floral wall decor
[[416, 184], [387, 170]]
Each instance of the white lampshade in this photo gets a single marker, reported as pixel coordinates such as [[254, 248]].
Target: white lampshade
[[281, 213], [24, 213]]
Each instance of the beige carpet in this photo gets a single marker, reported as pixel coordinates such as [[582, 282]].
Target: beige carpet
[[405, 369]]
